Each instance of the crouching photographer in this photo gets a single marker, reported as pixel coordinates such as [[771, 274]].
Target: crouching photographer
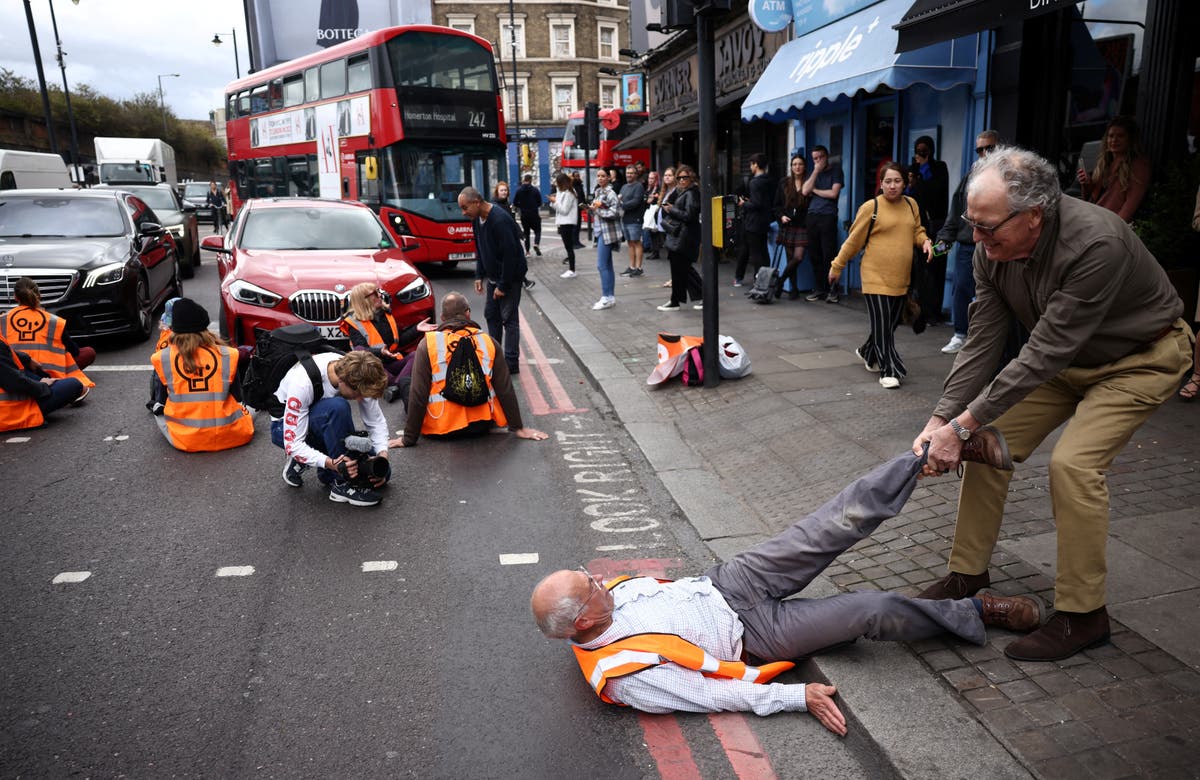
[[317, 427]]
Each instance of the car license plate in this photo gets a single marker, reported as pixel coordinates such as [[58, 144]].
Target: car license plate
[[462, 256], [331, 332]]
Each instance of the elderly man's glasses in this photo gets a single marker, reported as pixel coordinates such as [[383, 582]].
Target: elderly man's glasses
[[593, 589], [987, 230]]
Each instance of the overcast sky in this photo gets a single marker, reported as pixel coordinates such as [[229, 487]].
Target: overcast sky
[[120, 46]]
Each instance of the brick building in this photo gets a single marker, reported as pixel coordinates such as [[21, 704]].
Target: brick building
[[560, 48]]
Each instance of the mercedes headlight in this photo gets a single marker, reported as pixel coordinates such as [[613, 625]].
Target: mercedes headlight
[[244, 292], [413, 291], [110, 273]]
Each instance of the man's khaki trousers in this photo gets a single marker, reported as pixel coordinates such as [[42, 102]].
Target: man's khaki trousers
[[1103, 406]]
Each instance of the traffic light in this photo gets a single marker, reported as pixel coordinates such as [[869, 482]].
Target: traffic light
[[587, 134], [677, 14]]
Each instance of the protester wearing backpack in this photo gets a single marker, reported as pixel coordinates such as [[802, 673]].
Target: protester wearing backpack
[[316, 393], [885, 230], [459, 390]]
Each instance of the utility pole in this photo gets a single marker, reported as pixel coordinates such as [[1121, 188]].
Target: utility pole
[[37, 61], [76, 169]]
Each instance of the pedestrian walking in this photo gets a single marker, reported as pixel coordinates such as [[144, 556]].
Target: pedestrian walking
[[527, 201]]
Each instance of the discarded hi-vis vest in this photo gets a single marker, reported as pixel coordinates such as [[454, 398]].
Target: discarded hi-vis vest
[[640, 652], [442, 416], [370, 332], [18, 411], [200, 414], [39, 334]]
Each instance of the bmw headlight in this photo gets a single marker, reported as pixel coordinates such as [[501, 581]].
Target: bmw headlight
[[413, 291], [110, 273], [244, 292]]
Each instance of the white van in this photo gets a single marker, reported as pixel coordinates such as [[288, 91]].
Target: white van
[[26, 170]]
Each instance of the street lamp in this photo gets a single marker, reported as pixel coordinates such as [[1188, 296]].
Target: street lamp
[[216, 41], [37, 61], [75, 168], [161, 103]]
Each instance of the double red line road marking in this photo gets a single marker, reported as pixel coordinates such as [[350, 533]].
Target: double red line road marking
[[559, 402]]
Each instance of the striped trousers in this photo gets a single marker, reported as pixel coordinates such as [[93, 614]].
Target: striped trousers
[[879, 349]]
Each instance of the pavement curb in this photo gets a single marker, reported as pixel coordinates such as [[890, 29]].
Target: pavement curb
[[913, 721]]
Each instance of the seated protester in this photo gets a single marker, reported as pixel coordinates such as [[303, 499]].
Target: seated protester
[[43, 336], [313, 432], [430, 413], [203, 409], [370, 326], [26, 397]]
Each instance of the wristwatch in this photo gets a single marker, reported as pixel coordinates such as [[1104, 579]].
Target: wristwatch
[[962, 432]]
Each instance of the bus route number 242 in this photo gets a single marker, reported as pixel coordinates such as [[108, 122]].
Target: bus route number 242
[[476, 119]]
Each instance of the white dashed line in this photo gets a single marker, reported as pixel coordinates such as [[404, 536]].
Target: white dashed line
[[70, 577], [379, 566], [516, 559], [235, 571], [17, 440], [139, 367], [615, 547]]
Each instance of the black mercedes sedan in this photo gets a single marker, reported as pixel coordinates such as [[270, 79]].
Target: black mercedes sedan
[[101, 260]]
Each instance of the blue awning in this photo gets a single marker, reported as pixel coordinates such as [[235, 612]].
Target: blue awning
[[858, 52]]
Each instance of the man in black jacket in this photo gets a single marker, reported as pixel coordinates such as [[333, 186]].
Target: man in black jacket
[[756, 218], [929, 185], [527, 201], [500, 262]]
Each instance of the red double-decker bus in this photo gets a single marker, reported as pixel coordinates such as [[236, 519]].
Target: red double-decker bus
[[615, 126], [401, 119]]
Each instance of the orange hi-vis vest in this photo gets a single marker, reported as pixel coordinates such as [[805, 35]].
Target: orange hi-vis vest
[[164, 338], [370, 332], [442, 416], [18, 411], [640, 652], [200, 414], [39, 334]]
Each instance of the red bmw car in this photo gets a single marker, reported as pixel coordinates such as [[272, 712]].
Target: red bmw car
[[290, 260]]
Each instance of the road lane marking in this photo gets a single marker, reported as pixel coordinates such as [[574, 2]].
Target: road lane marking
[[139, 367], [668, 747], [16, 440], [70, 577], [235, 571], [518, 559], [742, 747], [379, 566], [562, 402], [122, 437]]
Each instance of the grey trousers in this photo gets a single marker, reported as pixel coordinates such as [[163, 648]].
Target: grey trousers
[[757, 583]]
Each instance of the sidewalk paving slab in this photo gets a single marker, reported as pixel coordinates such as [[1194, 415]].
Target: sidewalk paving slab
[[746, 458]]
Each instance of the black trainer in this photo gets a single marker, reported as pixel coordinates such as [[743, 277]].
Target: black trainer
[[344, 493], [292, 471]]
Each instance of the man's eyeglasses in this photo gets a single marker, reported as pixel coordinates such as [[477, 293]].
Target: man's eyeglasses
[[987, 230], [982, 149], [593, 589]]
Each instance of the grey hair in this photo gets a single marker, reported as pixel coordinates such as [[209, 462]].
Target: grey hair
[[471, 195], [1029, 180], [559, 621]]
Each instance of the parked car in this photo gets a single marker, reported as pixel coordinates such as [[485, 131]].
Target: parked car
[[195, 194], [171, 213], [290, 260], [101, 259]]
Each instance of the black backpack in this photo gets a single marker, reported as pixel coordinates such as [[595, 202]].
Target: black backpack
[[466, 384], [274, 355]]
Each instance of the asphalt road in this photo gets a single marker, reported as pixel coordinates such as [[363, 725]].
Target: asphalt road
[[386, 641]]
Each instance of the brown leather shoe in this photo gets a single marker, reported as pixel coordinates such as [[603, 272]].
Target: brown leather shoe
[[987, 446], [1016, 613], [956, 586], [1064, 635]]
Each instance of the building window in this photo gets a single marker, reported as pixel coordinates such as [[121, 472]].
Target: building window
[[463, 22], [562, 39], [506, 40], [522, 98], [563, 92], [610, 92], [606, 41]]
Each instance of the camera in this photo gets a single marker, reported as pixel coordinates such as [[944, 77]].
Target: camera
[[360, 450]]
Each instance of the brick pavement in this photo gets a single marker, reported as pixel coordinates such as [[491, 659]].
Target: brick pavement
[[810, 418]]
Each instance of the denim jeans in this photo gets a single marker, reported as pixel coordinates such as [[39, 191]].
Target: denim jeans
[[329, 422], [963, 289], [62, 392], [503, 319], [604, 264]]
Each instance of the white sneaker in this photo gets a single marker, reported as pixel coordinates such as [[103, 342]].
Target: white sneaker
[[567, 275], [874, 369], [889, 382], [698, 306], [603, 303], [669, 306], [955, 344]]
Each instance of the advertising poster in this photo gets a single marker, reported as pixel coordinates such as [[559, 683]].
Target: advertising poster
[[633, 92], [329, 172]]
